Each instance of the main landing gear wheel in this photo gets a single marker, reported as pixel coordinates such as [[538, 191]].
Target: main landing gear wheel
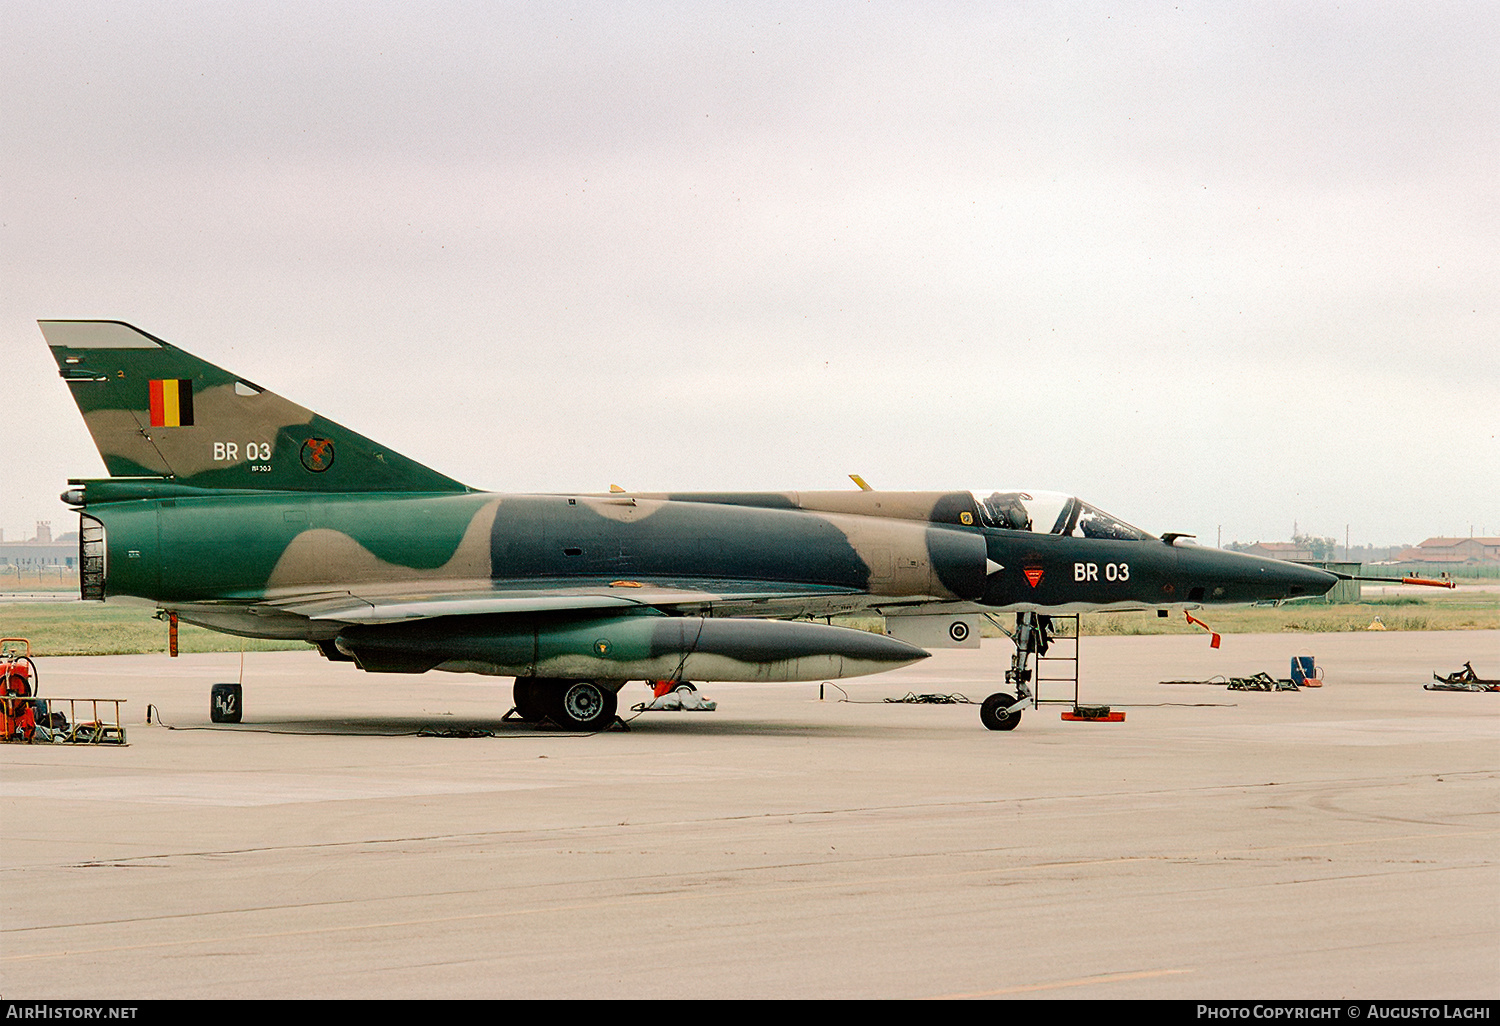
[[581, 705], [993, 713], [530, 697]]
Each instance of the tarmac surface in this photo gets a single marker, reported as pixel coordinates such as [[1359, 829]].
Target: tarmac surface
[[1341, 842]]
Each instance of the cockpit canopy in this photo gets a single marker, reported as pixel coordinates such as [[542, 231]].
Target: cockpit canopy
[[1051, 513]]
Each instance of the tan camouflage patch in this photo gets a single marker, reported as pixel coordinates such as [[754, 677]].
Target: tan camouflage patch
[[321, 556], [895, 552], [121, 434], [621, 509], [229, 430]]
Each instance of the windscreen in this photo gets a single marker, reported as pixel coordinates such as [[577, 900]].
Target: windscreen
[[1095, 523]]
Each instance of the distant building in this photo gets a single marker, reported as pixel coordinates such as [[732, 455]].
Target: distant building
[[41, 552], [1454, 550], [1279, 550]]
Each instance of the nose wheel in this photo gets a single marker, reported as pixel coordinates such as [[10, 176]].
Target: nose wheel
[[996, 712]]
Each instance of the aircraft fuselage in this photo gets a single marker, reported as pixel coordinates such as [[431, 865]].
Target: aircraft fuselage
[[257, 547]]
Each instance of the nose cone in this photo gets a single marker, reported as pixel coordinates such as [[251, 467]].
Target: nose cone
[[1306, 580], [1212, 575]]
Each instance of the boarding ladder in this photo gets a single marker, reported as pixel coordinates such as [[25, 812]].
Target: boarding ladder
[[1056, 678]]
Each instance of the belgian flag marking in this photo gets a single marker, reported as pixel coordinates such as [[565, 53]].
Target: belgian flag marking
[[172, 402]]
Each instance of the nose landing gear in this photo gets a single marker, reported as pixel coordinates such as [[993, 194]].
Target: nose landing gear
[[1002, 710]]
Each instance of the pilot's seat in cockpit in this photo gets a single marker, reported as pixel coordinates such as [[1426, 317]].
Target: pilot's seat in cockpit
[[1004, 510]]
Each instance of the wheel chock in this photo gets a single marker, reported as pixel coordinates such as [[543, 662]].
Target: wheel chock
[[1093, 714]]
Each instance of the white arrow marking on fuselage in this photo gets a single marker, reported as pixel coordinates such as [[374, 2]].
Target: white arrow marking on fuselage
[[991, 567]]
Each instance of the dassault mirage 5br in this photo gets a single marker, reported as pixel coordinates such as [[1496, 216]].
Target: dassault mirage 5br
[[232, 508]]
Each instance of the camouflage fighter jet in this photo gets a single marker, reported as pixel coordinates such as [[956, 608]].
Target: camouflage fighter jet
[[240, 511]]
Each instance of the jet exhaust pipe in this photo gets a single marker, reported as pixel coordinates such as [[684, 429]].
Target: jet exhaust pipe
[[638, 647]]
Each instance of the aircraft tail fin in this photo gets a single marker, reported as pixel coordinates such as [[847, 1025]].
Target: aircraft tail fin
[[157, 411]]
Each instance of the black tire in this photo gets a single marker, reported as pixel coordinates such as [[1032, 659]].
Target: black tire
[[993, 715], [581, 705], [530, 697], [684, 685]]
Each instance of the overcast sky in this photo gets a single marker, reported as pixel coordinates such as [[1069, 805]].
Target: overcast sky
[[1206, 265]]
